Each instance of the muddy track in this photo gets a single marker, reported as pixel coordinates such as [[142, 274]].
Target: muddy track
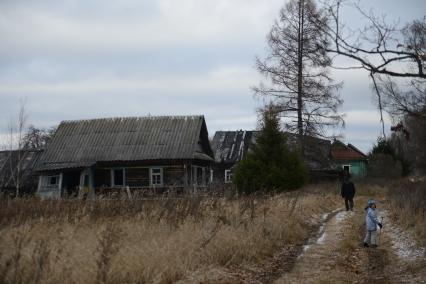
[[285, 260], [377, 260], [334, 253], [372, 261]]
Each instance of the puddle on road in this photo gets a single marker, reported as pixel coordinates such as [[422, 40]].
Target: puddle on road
[[337, 216], [320, 235]]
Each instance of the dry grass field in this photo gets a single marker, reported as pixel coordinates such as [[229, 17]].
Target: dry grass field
[[151, 241]]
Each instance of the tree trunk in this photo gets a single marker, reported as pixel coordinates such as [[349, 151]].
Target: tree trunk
[[300, 76]]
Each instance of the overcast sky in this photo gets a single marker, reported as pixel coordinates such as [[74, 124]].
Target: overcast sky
[[84, 59]]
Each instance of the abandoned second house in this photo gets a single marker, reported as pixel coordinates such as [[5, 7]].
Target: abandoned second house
[[139, 154]]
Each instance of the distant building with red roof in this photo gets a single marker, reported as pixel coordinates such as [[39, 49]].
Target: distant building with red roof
[[349, 158]]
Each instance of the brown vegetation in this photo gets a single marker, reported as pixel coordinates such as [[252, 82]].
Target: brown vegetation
[[408, 202], [161, 241]]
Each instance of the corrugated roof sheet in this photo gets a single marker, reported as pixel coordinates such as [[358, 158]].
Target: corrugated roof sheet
[[231, 146], [82, 143]]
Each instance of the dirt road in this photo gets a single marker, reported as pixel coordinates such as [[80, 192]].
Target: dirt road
[[336, 255]]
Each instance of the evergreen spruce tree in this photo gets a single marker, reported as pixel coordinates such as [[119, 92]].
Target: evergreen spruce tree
[[270, 166]]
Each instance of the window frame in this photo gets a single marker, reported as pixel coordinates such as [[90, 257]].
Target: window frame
[[113, 184], [228, 176], [349, 168], [202, 181], [48, 180], [161, 173]]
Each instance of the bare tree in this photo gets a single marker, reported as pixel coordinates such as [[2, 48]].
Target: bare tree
[[297, 67], [37, 138], [17, 131], [402, 97], [379, 47], [393, 56]]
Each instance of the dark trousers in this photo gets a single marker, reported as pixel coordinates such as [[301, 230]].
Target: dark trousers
[[349, 203]]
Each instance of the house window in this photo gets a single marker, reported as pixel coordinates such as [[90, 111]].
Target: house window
[[347, 169], [118, 177], [52, 180], [85, 180], [156, 176], [228, 176], [199, 175]]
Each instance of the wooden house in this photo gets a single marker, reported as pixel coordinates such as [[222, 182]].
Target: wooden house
[[137, 154], [349, 159], [230, 147]]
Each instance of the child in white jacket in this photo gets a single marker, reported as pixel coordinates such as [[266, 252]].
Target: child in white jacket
[[372, 222]]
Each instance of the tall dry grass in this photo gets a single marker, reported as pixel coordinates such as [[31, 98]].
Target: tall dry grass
[[407, 200], [150, 241]]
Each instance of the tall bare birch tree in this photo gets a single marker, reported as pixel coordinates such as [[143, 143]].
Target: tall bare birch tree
[[17, 131], [297, 69]]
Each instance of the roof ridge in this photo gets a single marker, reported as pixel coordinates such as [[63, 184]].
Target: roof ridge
[[133, 117], [23, 150]]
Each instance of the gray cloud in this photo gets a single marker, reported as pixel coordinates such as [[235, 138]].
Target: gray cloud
[[97, 58]]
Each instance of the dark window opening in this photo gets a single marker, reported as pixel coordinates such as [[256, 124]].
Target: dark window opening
[[118, 177], [86, 180], [53, 180], [346, 169]]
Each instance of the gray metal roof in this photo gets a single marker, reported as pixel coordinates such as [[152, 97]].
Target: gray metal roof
[[82, 143], [232, 146]]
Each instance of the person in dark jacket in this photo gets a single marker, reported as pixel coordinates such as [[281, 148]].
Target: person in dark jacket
[[348, 192]]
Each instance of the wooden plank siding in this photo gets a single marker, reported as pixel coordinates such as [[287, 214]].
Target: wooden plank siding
[[137, 176], [173, 175]]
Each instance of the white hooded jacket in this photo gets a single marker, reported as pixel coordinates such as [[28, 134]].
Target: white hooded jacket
[[371, 219]]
